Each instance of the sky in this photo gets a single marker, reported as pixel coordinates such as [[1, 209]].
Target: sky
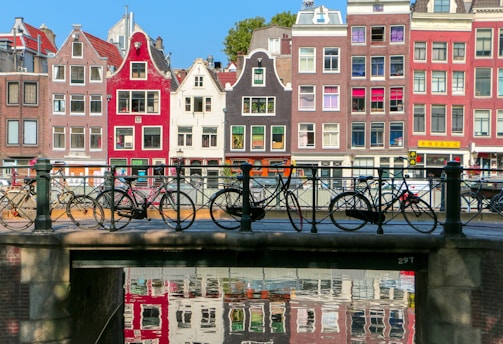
[[190, 29]]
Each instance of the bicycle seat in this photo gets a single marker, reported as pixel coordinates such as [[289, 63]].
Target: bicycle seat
[[129, 180], [29, 180], [363, 179]]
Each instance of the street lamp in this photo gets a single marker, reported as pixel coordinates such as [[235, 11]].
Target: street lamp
[[179, 159]]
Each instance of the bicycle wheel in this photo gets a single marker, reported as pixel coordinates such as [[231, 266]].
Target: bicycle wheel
[[470, 202], [226, 208], [123, 208], [85, 212], [169, 209], [496, 204], [349, 211], [419, 214], [17, 210], [294, 211]]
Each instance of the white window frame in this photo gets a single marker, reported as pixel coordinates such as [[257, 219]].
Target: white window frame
[[310, 92], [307, 60], [143, 137], [331, 135], [482, 122], [55, 73], [264, 135], [332, 58], [12, 132], [212, 135], [439, 47], [59, 99], [99, 70], [77, 134], [243, 143], [256, 79], [304, 129], [332, 96], [62, 134], [418, 82], [94, 98], [80, 67], [455, 49], [140, 77], [482, 42], [458, 84], [439, 81], [95, 132], [273, 143], [128, 140], [77, 44], [73, 98]]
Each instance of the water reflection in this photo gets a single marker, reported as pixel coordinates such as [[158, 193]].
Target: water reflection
[[268, 305]]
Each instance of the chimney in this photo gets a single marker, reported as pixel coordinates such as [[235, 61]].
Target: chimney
[[49, 34], [159, 43]]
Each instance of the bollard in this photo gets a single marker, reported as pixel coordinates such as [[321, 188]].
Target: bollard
[[453, 225], [43, 220], [245, 218]]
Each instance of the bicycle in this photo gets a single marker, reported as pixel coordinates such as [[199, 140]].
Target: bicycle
[[130, 203], [226, 205], [351, 210], [477, 198]]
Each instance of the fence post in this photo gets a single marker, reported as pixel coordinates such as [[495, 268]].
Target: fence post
[[453, 225], [245, 218], [43, 220]]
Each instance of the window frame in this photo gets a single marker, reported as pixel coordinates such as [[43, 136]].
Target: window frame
[[457, 81], [457, 57], [420, 52], [307, 129], [377, 34], [13, 95], [438, 123], [77, 53], [358, 101], [457, 119], [56, 69], [96, 136], [393, 65], [331, 136], [330, 58], [358, 64], [75, 101], [30, 94], [438, 82], [439, 52], [62, 136], [375, 94], [331, 98], [419, 119], [99, 70], [307, 98], [377, 67], [209, 135], [61, 103], [358, 139], [273, 143], [307, 60], [377, 133], [402, 27], [76, 71], [12, 134], [241, 134], [253, 147], [480, 122], [358, 35], [393, 129], [258, 77], [138, 70], [81, 137], [486, 43], [185, 135], [482, 82], [128, 140], [155, 145], [250, 103], [418, 81], [150, 99]]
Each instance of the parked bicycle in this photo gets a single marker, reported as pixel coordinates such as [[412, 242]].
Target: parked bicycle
[[226, 205], [351, 210], [130, 202], [18, 206], [477, 198]]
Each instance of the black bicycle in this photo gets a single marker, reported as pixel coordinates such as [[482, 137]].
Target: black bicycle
[[351, 210]]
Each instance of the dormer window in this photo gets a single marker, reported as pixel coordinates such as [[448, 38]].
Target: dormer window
[[77, 50]]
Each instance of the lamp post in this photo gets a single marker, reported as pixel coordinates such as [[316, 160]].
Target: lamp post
[[179, 159]]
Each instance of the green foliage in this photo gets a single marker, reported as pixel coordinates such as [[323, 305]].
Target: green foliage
[[239, 37]]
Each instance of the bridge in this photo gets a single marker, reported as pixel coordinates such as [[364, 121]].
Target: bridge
[[63, 284]]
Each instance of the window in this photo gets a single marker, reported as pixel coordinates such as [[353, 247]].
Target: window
[[30, 94], [331, 135], [358, 99], [441, 6], [77, 138], [185, 136], [419, 119], [481, 123], [257, 137], [457, 119], [357, 135], [258, 105], [58, 103], [377, 135], [500, 49], [58, 137], [77, 75], [274, 45], [358, 66], [150, 317], [396, 134], [12, 93], [377, 66], [458, 83], [30, 132], [420, 51], [306, 60], [377, 99], [278, 138], [438, 119], [439, 52], [331, 60], [12, 132], [397, 34], [77, 50], [209, 138], [419, 81], [396, 66], [95, 138], [207, 104], [396, 99], [306, 135], [438, 81], [124, 138], [458, 52], [95, 102], [237, 137], [306, 98], [96, 74], [377, 34], [258, 77], [138, 70], [151, 137], [138, 102], [331, 98], [198, 81], [77, 104], [377, 8], [358, 34], [500, 82], [483, 46], [482, 82], [499, 124], [58, 73]]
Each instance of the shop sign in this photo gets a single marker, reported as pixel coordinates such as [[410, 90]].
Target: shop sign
[[438, 144]]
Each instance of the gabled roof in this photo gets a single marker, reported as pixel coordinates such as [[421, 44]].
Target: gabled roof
[[31, 40], [105, 49], [227, 77]]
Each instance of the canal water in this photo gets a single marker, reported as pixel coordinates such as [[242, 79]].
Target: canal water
[[268, 305]]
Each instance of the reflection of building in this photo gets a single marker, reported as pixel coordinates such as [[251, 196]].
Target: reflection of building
[[232, 305]]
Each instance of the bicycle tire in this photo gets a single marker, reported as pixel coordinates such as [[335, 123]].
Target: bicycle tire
[[169, 209], [85, 212], [17, 210], [470, 201], [419, 214], [124, 207], [226, 208], [496, 204], [294, 211], [349, 201]]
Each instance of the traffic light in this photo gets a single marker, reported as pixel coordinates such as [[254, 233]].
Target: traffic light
[[412, 158]]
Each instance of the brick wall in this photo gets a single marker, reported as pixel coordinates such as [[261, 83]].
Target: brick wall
[[14, 296], [487, 314]]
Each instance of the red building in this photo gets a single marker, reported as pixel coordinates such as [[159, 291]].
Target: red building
[[139, 106]]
